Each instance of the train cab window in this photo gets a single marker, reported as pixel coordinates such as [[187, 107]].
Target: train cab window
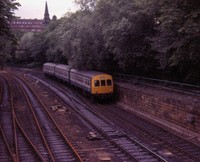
[[103, 83], [96, 83], [109, 82]]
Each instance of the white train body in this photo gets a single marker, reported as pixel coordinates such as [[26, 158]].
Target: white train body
[[93, 82]]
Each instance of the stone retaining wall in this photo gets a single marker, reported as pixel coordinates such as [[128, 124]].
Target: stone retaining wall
[[178, 109]]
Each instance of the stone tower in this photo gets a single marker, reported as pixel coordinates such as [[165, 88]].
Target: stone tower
[[46, 19]]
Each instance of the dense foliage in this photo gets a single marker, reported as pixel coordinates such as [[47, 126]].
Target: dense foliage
[[7, 39], [178, 39], [156, 38]]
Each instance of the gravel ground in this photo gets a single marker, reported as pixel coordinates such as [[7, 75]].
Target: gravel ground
[[73, 127]]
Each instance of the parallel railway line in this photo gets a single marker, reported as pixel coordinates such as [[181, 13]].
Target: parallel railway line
[[109, 126], [1, 90], [27, 118], [49, 145], [153, 135], [26, 149], [15, 139], [134, 150], [59, 147], [5, 153], [58, 144], [180, 147], [8, 130]]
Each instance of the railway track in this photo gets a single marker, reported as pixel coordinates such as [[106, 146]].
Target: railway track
[[17, 143], [5, 153], [59, 147], [154, 136], [130, 147], [43, 141], [120, 138], [7, 122], [181, 148], [24, 117], [1, 89], [26, 149]]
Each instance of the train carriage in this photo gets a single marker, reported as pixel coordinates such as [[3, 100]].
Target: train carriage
[[96, 83], [62, 72], [80, 79], [102, 84], [49, 69]]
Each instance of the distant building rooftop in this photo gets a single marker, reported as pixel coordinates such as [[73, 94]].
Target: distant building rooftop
[[31, 25], [27, 25]]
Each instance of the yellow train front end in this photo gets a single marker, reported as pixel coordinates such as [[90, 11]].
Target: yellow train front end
[[102, 85]]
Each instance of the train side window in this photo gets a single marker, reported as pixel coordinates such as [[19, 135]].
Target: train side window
[[109, 82], [86, 81], [96, 83], [103, 83]]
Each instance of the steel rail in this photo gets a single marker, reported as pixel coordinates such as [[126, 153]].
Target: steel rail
[[124, 134], [152, 133], [100, 129], [67, 140], [14, 124], [28, 139], [1, 92], [36, 121], [17, 123], [15, 150], [2, 132], [7, 144]]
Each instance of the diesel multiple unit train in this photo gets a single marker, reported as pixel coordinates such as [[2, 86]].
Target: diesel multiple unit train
[[97, 84]]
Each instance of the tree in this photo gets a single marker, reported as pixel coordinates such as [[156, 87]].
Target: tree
[[53, 35], [86, 4], [140, 37], [178, 39], [23, 51], [7, 38], [125, 28], [78, 40]]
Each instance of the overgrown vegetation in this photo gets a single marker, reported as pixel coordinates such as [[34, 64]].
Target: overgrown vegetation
[[7, 39], [153, 38]]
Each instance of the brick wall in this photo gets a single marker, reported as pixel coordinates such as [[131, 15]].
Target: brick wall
[[178, 109]]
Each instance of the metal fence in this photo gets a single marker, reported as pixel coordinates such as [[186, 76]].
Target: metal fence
[[150, 81]]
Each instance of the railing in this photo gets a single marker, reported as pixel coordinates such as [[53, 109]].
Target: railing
[[150, 81]]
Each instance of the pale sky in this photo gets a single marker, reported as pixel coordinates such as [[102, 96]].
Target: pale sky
[[35, 8]]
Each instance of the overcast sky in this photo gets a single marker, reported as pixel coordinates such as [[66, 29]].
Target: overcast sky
[[35, 8]]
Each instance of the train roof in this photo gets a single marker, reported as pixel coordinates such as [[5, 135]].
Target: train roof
[[62, 66], [49, 64], [87, 73]]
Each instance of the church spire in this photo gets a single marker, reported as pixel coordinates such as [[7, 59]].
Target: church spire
[[46, 15]]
